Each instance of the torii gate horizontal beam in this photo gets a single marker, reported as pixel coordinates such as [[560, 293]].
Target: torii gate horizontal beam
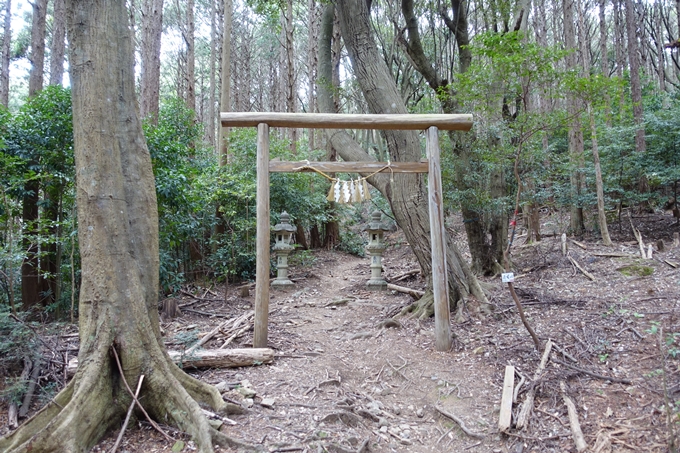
[[348, 121], [278, 166]]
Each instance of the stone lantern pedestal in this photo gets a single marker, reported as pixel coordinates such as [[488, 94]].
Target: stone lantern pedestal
[[283, 234], [375, 248]]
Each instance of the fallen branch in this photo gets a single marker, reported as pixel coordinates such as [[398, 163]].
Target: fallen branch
[[136, 401], [405, 275], [671, 264], [26, 403], [576, 432], [235, 335], [578, 266], [592, 374], [207, 337], [528, 405], [402, 289], [460, 422], [13, 412], [579, 244], [127, 416]]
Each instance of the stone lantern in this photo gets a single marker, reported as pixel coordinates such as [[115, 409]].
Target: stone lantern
[[283, 233], [375, 248]]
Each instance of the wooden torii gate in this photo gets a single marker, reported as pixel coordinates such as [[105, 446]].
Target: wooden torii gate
[[431, 123]]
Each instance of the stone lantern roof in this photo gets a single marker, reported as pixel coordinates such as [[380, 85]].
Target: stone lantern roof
[[285, 224]]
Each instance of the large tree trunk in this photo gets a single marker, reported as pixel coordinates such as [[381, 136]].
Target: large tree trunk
[[5, 53], [150, 53], [405, 192], [118, 237]]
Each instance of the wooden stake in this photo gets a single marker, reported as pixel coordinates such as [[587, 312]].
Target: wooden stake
[[576, 432], [563, 239], [506, 400], [440, 286], [263, 238], [638, 236], [583, 271]]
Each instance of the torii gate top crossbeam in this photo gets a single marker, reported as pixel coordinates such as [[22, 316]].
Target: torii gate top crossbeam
[[347, 121]]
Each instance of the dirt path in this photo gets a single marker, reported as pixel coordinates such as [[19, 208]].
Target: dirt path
[[344, 381]]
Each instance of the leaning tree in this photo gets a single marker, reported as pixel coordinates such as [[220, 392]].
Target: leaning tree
[[406, 193], [118, 234]]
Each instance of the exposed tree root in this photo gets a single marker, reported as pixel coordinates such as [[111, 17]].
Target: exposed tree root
[[90, 406], [420, 309]]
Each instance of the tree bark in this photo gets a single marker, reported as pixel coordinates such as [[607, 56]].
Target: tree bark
[[58, 43], [5, 54], [118, 237], [150, 54]]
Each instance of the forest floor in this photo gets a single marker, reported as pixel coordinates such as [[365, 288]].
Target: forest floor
[[343, 382]]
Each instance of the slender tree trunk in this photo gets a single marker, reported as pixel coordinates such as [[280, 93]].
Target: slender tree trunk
[[30, 274], [150, 50], [291, 85], [574, 134], [604, 59], [661, 59], [190, 74], [635, 84], [38, 30], [312, 62], [58, 43], [118, 238], [599, 186], [5, 53], [210, 119], [225, 97], [619, 43]]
